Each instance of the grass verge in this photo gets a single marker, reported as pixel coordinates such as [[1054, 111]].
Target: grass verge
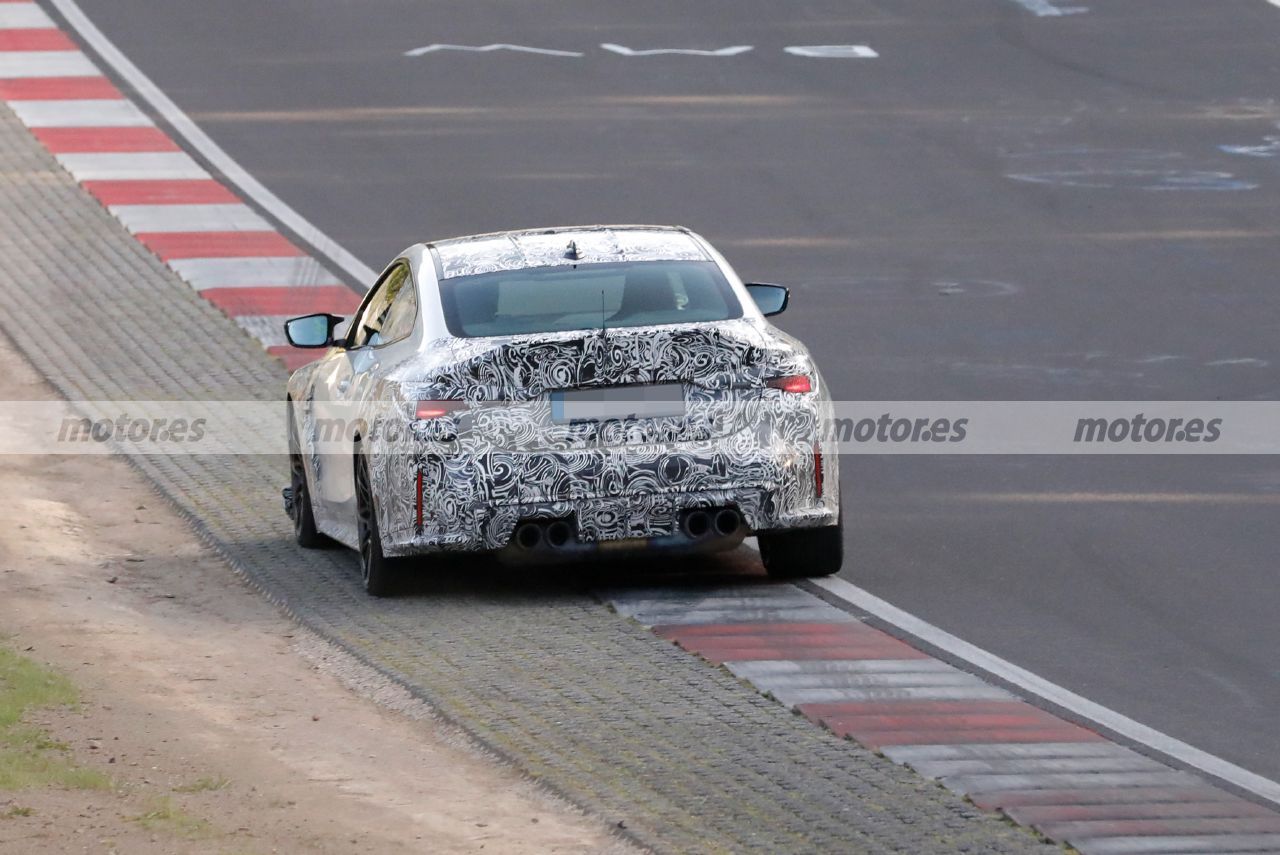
[[164, 815], [28, 756], [204, 785]]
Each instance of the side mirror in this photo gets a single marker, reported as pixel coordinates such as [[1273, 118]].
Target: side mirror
[[311, 330], [771, 299]]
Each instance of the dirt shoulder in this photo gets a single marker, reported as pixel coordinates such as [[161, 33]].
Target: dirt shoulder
[[220, 726]]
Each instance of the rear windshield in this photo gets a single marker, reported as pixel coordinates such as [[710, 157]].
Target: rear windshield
[[553, 299]]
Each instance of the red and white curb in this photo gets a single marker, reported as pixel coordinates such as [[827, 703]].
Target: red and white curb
[[191, 221], [978, 739]]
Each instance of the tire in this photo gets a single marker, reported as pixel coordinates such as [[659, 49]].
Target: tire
[[376, 570], [304, 521], [803, 553]]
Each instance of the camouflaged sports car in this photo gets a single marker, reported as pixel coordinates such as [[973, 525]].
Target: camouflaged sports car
[[557, 393]]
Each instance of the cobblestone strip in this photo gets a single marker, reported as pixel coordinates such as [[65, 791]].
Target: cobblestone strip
[[1065, 781]]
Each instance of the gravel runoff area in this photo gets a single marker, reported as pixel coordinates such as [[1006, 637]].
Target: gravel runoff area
[[674, 753]]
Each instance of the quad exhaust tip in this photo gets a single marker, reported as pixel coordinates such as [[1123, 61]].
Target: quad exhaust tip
[[529, 535], [559, 534], [697, 524], [533, 535], [727, 522]]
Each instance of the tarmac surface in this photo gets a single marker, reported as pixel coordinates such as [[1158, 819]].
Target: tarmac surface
[[1005, 203]]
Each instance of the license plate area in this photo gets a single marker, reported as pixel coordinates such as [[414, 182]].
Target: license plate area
[[618, 403]]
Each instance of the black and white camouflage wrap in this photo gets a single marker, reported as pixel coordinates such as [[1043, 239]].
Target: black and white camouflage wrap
[[503, 459], [546, 248]]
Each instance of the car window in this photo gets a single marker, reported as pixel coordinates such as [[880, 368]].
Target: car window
[[383, 318], [623, 294], [402, 313]]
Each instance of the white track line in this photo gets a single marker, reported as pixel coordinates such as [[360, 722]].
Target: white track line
[[953, 751], [132, 166], [191, 133], [752, 669], [23, 16], [80, 114], [1107, 718], [46, 63], [252, 272], [190, 218], [1223, 843], [268, 329]]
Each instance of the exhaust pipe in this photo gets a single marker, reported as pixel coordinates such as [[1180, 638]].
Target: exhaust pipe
[[696, 524], [727, 522], [559, 534], [528, 536]]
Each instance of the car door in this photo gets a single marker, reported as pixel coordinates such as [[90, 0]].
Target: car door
[[342, 392]]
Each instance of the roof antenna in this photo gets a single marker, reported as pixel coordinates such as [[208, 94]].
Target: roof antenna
[[572, 252]]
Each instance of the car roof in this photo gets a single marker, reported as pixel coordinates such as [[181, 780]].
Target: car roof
[[555, 247]]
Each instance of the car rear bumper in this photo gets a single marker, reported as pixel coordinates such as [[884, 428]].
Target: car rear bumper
[[652, 522]]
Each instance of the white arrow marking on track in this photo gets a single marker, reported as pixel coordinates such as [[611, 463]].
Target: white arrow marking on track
[[725, 51], [425, 49], [833, 51]]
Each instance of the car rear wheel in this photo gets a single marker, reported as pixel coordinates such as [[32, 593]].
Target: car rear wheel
[[304, 521], [376, 570], [806, 552]]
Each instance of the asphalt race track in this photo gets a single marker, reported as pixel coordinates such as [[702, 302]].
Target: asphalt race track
[[1000, 205]]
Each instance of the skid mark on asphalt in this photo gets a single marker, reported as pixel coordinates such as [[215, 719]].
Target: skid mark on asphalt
[[1121, 498], [341, 115], [789, 242], [1249, 361], [1121, 169], [162, 195], [978, 739], [737, 100], [1047, 9], [911, 288], [1269, 147]]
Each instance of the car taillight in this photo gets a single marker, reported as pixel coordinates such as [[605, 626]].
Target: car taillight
[[436, 409], [794, 383]]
